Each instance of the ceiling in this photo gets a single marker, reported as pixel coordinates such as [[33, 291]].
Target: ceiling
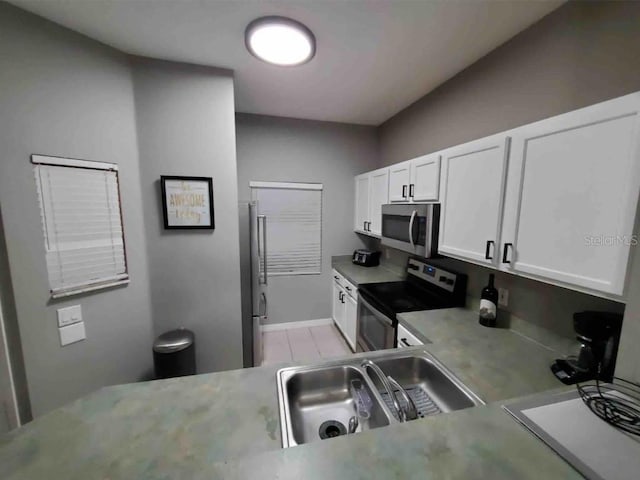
[[374, 57]]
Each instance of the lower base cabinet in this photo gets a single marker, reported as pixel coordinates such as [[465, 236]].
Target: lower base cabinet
[[345, 308]]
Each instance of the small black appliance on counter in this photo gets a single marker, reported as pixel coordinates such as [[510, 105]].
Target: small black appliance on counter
[[366, 258], [599, 335]]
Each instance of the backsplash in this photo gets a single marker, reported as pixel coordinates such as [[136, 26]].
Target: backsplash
[[535, 308]]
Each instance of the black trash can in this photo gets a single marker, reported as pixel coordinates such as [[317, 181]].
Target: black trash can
[[174, 354]]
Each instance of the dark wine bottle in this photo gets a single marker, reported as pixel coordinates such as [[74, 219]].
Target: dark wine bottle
[[489, 304]]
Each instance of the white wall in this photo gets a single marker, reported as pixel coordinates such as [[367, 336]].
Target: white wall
[[291, 150], [63, 94], [185, 120]]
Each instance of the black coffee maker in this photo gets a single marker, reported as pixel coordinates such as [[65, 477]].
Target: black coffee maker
[[599, 335]]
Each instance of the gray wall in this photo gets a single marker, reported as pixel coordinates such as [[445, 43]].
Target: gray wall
[[63, 94], [16, 364], [288, 150], [185, 119], [583, 53]]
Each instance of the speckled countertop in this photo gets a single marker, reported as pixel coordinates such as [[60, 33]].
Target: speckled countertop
[[226, 425], [495, 363], [150, 429], [357, 274]]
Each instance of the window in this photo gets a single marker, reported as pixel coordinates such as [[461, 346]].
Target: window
[[294, 218], [82, 224]]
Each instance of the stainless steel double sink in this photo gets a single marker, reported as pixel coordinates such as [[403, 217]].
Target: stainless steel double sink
[[314, 398]]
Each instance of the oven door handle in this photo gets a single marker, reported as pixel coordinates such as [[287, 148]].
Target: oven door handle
[[378, 314], [413, 217]]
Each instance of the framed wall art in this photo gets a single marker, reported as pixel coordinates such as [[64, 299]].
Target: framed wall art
[[187, 202]]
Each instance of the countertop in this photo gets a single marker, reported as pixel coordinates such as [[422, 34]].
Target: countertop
[[226, 425], [357, 274], [495, 363]]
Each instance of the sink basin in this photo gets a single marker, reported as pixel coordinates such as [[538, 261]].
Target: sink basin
[[316, 403], [320, 397], [431, 387]]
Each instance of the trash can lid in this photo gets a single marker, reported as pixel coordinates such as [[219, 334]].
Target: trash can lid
[[173, 341]]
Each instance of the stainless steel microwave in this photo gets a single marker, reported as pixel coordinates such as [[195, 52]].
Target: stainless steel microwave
[[411, 228]]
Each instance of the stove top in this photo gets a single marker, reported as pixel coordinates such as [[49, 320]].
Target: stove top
[[426, 288]]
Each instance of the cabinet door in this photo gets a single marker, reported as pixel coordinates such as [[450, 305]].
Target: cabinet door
[[362, 202], [399, 179], [425, 178], [379, 182], [350, 321], [473, 180], [571, 197], [336, 310]]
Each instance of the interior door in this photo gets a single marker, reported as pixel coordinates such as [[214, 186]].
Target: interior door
[[473, 181], [425, 178], [362, 202], [571, 196], [399, 179], [379, 196]]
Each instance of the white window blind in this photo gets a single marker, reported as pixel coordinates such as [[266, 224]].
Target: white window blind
[[82, 224], [294, 226]]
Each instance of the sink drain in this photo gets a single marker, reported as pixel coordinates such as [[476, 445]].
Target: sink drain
[[331, 429]]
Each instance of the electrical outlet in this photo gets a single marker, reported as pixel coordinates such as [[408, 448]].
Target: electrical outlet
[[503, 297]]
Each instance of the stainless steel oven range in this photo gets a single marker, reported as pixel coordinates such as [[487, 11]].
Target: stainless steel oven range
[[426, 288]]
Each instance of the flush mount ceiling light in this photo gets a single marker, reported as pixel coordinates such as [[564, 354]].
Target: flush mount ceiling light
[[280, 41]]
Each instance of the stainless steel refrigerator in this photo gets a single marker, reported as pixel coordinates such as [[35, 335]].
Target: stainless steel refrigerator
[[253, 281]]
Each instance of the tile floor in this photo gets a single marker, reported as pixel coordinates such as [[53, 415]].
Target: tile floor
[[303, 344]]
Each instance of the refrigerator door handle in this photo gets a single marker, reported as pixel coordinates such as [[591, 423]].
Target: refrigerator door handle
[[263, 250], [264, 310]]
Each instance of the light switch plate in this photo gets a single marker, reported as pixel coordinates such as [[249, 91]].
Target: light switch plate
[[72, 333], [69, 315]]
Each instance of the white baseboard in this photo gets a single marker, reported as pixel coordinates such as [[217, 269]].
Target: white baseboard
[[301, 324]]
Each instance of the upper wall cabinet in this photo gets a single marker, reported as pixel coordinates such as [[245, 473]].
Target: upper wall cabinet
[[416, 180], [372, 191], [362, 203], [572, 191], [473, 177], [399, 180]]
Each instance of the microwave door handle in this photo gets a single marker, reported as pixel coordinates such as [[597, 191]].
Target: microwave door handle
[[413, 217]]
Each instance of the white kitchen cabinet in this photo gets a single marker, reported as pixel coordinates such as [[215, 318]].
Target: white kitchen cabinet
[[350, 320], [372, 191], [338, 310], [345, 307], [399, 180], [379, 195], [406, 338], [571, 196], [362, 203], [472, 186], [415, 180], [424, 183]]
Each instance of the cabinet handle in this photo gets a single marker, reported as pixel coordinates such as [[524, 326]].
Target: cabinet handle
[[505, 252], [490, 243], [404, 191], [336, 277], [342, 297], [411, 190], [365, 226], [348, 289], [368, 226], [404, 341]]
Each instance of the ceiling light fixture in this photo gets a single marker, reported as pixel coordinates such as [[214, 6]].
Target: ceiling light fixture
[[280, 41]]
